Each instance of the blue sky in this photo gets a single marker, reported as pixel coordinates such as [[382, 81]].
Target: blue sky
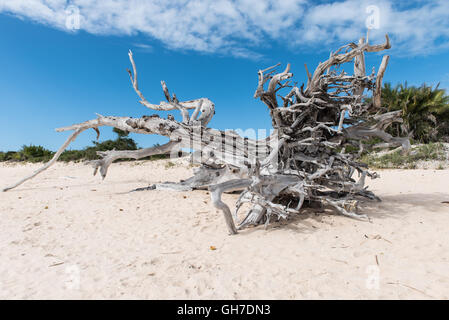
[[52, 76]]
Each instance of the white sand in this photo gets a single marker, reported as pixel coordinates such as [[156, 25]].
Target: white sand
[[64, 235]]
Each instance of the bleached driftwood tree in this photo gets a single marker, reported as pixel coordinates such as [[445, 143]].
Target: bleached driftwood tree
[[301, 164]]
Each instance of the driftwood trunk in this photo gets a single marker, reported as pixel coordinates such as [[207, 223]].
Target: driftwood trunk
[[301, 164]]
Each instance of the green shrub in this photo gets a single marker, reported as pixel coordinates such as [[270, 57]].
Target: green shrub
[[90, 153], [169, 165], [431, 151], [72, 155], [33, 153], [11, 156]]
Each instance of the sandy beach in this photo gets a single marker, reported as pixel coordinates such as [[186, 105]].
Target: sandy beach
[[67, 234]]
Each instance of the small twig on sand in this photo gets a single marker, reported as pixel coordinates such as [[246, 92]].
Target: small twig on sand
[[173, 252], [412, 288], [56, 264]]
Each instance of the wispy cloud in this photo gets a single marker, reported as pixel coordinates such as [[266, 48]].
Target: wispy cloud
[[420, 27], [242, 27], [143, 46]]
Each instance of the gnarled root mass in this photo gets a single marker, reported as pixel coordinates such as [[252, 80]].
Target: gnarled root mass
[[301, 164]]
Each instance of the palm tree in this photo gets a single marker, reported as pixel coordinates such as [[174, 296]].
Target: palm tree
[[425, 111]]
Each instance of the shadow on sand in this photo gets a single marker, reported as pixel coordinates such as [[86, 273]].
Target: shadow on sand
[[391, 206]]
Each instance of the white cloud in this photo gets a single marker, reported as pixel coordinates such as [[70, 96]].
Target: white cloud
[[143, 47], [421, 27], [241, 27]]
